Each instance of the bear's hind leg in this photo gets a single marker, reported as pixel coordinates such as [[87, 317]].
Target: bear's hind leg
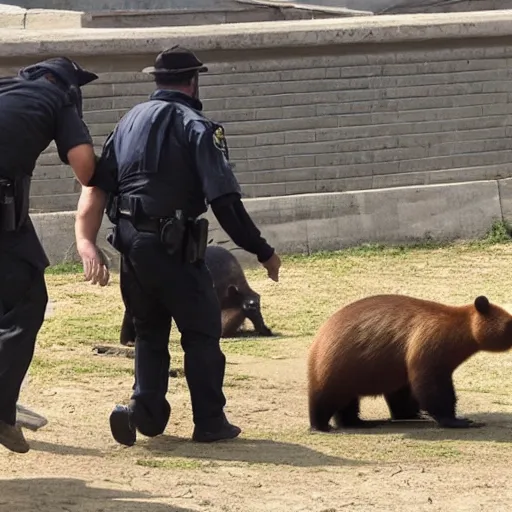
[[320, 413], [348, 417], [436, 395], [402, 405]]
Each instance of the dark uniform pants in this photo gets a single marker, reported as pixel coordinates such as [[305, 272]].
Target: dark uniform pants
[[23, 299], [157, 288]]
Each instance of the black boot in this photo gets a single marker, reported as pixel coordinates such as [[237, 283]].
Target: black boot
[[227, 431], [121, 425]]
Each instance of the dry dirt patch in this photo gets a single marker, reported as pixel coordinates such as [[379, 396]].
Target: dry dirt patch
[[276, 465]]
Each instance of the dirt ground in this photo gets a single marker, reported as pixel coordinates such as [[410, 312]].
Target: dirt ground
[[276, 464]]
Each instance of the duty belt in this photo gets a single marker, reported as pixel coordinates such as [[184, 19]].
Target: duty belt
[[185, 236], [141, 222]]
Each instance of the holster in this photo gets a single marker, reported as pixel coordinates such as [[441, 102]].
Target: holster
[[196, 240], [113, 239], [8, 218], [112, 208], [173, 234], [186, 237]]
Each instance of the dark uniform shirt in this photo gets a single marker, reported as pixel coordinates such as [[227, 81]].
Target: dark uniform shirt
[[32, 114], [165, 152]]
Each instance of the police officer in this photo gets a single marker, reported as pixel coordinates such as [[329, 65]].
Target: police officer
[[162, 165], [41, 104]]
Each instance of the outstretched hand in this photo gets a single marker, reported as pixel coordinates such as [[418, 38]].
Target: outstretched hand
[[273, 264], [94, 262]]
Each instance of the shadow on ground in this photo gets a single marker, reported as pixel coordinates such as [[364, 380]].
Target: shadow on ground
[[73, 495], [63, 449], [253, 451], [497, 428]]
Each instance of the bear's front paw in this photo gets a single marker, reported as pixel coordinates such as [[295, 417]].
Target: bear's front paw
[[266, 331]]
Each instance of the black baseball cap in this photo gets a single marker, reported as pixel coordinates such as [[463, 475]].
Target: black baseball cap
[[174, 61], [67, 70]]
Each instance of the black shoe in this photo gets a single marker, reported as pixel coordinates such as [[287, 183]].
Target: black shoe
[[227, 431], [11, 436], [121, 426]]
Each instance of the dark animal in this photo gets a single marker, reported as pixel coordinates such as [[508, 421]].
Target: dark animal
[[237, 299], [403, 348]]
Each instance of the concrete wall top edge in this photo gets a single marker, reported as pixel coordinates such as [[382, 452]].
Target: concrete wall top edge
[[245, 36]]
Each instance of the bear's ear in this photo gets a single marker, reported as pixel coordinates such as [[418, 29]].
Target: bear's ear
[[482, 304]]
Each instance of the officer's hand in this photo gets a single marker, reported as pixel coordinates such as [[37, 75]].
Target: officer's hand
[[95, 265], [272, 265]]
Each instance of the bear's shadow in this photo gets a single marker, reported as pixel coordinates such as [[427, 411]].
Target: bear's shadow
[[497, 428]]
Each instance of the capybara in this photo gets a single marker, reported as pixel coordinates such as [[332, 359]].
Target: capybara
[[403, 348], [237, 299]]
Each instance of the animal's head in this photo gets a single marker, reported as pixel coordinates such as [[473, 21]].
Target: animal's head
[[248, 302], [491, 326]]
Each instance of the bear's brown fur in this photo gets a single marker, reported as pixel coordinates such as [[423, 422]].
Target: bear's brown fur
[[403, 348]]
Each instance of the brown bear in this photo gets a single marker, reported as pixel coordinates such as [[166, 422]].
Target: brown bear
[[403, 348]]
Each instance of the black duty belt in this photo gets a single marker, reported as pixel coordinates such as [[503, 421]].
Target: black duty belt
[[141, 223]]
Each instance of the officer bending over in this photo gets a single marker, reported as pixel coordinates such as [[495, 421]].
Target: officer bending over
[[41, 104], [163, 164]]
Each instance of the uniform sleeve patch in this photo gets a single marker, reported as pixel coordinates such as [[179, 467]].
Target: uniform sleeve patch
[[219, 141]]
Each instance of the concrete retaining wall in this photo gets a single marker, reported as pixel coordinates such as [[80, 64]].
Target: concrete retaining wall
[[332, 221], [310, 119], [390, 128]]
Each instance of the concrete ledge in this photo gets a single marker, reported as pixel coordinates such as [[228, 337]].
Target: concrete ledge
[[12, 16], [315, 222], [53, 19], [41, 19], [241, 11], [29, 44]]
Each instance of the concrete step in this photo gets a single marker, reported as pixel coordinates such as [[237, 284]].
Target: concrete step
[[104, 116], [328, 183], [54, 187], [49, 158], [101, 129], [52, 171], [55, 203]]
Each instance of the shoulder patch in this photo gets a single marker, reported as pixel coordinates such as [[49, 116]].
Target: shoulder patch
[[219, 141]]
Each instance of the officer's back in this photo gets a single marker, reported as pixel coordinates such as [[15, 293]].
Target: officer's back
[[29, 119], [153, 162]]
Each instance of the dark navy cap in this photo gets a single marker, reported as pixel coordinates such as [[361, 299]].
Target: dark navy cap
[[65, 69]]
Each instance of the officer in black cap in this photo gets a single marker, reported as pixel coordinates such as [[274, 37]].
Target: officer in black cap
[[160, 168], [40, 105]]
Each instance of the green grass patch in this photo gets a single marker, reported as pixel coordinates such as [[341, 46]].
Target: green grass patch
[[65, 268], [72, 368]]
